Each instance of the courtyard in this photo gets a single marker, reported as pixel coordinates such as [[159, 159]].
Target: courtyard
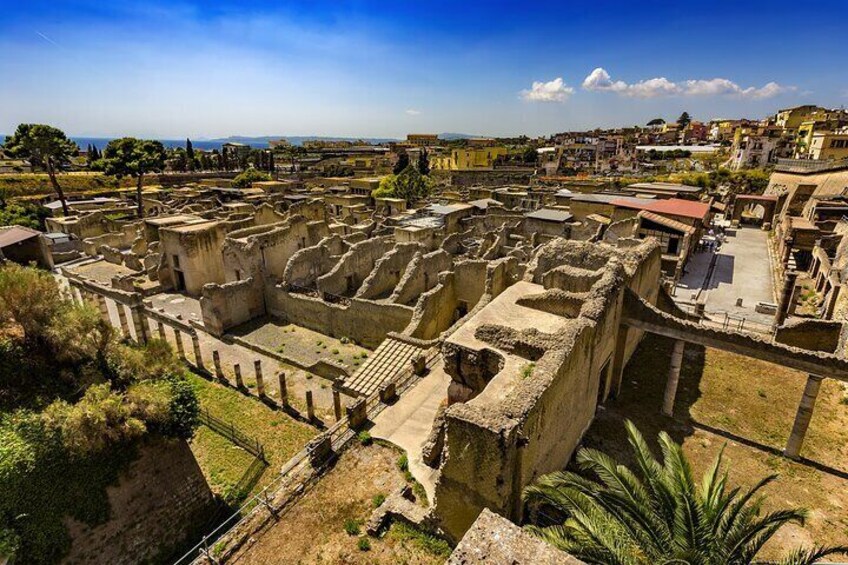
[[748, 406]]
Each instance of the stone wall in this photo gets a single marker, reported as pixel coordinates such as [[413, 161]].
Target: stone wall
[[231, 304], [363, 321], [160, 502], [354, 267], [816, 335], [388, 271], [421, 275], [305, 266]]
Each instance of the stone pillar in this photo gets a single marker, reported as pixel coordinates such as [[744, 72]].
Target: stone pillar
[[178, 339], [104, 309], [139, 323], [618, 361], [357, 414], [388, 392], [122, 319], [830, 304], [785, 298], [216, 359], [310, 406], [160, 327], [802, 417], [237, 371], [673, 377], [284, 394], [198, 355], [320, 450], [337, 404], [260, 382]]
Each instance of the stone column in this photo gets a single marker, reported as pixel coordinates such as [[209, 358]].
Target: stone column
[[673, 377], [198, 355], [618, 361], [139, 323], [161, 329], [802, 417], [284, 395], [178, 339], [830, 305], [237, 371], [260, 382], [785, 298], [337, 404], [104, 308], [310, 406], [216, 359], [122, 319]]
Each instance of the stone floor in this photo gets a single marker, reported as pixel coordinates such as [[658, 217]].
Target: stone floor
[[408, 422], [742, 271]]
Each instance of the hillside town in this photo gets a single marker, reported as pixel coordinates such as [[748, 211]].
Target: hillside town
[[426, 350]]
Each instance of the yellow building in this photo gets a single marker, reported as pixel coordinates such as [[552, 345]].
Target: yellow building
[[422, 139], [468, 159], [791, 118], [829, 145]]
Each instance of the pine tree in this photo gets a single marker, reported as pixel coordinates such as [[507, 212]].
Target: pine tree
[[190, 154], [402, 163], [423, 162]]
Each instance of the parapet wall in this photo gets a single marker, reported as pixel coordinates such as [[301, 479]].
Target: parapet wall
[[228, 305]]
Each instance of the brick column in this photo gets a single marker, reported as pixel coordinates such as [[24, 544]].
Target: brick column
[[237, 371], [161, 329], [178, 339], [104, 309], [198, 355], [673, 377], [785, 298], [260, 382], [216, 359], [337, 404], [310, 406], [802, 417], [122, 319], [284, 394], [139, 323]]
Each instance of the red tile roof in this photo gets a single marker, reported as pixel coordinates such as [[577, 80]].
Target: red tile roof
[[669, 207]]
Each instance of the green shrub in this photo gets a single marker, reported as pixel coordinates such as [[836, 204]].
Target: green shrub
[[364, 544], [248, 177], [403, 463], [365, 438], [351, 527], [378, 499]]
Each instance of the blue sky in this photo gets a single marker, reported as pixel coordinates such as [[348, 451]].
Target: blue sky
[[175, 68]]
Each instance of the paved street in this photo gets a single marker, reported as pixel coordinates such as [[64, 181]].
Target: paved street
[[742, 270]]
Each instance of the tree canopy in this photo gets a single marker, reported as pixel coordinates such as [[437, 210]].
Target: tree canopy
[[658, 513], [684, 120], [410, 185], [131, 157], [45, 147]]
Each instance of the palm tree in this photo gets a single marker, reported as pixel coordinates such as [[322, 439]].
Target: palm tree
[[658, 514]]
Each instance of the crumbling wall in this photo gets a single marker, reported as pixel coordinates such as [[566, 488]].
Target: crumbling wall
[[354, 267], [305, 266], [387, 271], [421, 275], [363, 321], [224, 306]]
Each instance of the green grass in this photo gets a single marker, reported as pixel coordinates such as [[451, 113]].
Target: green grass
[[405, 533], [223, 463]]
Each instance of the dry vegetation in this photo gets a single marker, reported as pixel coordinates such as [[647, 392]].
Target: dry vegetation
[[326, 526], [749, 406]]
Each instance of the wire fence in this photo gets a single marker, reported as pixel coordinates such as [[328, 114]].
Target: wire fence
[[296, 474], [236, 436]]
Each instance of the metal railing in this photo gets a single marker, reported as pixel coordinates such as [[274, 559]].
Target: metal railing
[[726, 321], [236, 436], [809, 165]]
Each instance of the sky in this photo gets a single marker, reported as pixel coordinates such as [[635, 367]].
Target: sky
[[180, 68]]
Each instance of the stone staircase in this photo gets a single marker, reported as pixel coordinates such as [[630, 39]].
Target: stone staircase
[[391, 357]]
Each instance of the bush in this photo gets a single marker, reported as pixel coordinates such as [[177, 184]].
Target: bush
[[403, 463], [364, 544], [248, 177], [378, 499], [351, 527], [365, 438]]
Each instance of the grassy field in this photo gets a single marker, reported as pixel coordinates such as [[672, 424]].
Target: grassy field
[[224, 463], [748, 406], [38, 184]]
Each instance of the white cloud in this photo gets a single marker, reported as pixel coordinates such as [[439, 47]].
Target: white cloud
[[412, 112], [599, 80], [552, 91]]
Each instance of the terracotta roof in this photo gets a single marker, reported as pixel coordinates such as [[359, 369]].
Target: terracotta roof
[[16, 234], [670, 207], [667, 222]]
